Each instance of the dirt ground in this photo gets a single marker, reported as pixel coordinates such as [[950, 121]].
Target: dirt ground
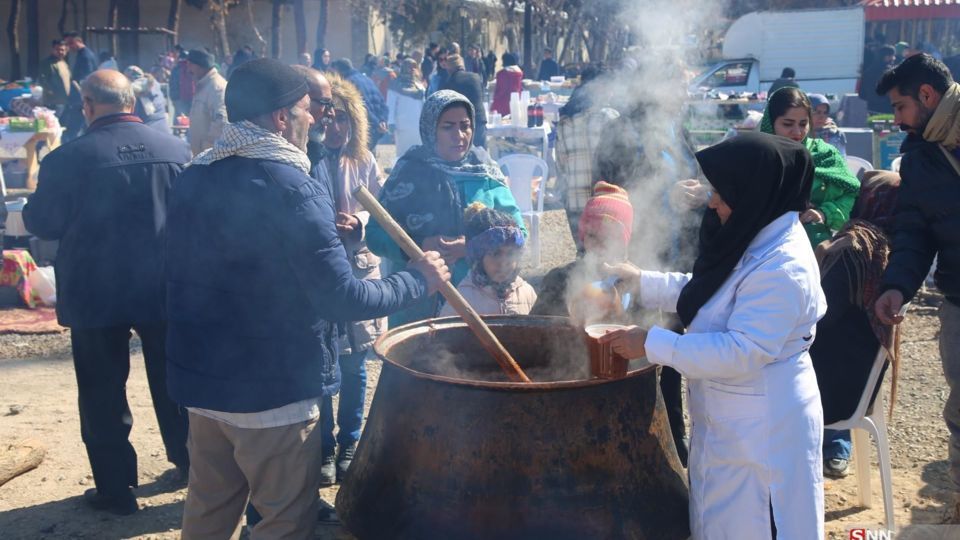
[[38, 400]]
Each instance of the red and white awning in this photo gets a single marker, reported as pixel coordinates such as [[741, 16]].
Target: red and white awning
[[896, 10]]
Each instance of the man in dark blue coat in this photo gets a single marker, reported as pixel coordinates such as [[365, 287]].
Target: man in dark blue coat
[[84, 63], [469, 86], [548, 66], [261, 282], [103, 197], [372, 99]]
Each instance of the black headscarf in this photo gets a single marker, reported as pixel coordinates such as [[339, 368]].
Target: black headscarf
[[760, 177]]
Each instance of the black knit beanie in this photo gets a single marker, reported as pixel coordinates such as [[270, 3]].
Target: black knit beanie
[[262, 86], [201, 58]]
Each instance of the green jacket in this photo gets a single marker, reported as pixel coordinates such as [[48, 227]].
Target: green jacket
[[834, 190]]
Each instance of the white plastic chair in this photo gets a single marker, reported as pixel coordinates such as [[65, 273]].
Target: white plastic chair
[[895, 164], [857, 166], [520, 170], [868, 418]]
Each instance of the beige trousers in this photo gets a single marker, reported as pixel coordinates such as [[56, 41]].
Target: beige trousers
[[277, 469]]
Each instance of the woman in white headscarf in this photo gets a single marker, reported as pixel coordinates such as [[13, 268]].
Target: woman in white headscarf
[[405, 101], [151, 105]]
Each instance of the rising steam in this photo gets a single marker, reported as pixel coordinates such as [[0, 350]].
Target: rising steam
[[649, 89]]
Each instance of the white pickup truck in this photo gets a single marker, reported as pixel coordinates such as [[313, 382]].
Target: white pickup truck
[[823, 46]]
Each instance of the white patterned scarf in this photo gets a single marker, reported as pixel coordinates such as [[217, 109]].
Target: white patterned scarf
[[246, 139]]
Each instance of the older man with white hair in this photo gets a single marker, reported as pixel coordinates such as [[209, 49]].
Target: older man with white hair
[[103, 196], [255, 306]]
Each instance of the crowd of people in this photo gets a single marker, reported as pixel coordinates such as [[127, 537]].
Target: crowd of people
[[394, 87], [257, 282], [881, 54]]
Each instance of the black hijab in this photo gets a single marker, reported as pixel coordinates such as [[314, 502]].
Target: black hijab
[[760, 177]]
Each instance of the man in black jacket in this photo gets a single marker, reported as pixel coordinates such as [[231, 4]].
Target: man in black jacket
[[103, 196], [872, 74], [429, 62], [926, 104], [788, 79], [471, 87], [548, 66], [84, 63]]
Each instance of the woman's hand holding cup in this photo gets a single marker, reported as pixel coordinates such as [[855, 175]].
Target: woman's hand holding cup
[[627, 342]]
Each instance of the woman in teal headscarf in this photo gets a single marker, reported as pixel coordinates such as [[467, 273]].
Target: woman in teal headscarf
[[789, 114], [432, 185]]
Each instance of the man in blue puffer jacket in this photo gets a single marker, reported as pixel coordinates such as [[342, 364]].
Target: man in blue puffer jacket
[[257, 281]]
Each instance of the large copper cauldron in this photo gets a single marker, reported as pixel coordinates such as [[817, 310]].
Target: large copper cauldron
[[466, 455]]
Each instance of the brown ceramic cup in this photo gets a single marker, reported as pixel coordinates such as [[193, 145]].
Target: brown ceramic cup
[[604, 363]]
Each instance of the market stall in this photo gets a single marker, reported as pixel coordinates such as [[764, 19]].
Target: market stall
[[23, 145]]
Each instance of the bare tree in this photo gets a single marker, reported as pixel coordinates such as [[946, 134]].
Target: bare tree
[[409, 20], [567, 54], [128, 16], [262, 43], [528, 37], [68, 6], [218, 20], [542, 26], [62, 21], [599, 27], [300, 25], [322, 24], [33, 38], [275, 21], [13, 37], [112, 23], [173, 19], [735, 8]]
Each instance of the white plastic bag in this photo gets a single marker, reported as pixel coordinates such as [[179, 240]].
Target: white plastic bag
[[44, 282]]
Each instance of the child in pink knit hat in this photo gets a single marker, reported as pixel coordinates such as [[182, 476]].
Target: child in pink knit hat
[[607, 217]]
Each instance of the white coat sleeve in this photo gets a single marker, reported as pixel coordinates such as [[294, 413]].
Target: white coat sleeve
[[660, 290], [392, 107], [767, 308]]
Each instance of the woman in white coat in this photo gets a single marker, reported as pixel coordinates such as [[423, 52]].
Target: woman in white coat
[[750, 309], [405, 101]]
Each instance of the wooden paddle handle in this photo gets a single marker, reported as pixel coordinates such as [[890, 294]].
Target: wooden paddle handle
[[453, 296]]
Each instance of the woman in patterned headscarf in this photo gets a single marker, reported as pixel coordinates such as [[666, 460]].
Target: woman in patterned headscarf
[[432, 185]]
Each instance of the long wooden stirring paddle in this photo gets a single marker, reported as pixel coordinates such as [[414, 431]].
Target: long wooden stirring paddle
[[453, 296]]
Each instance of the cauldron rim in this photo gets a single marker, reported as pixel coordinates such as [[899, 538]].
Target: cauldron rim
[[393, 336]]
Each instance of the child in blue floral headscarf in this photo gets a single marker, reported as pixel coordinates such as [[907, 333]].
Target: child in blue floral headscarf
[[493, 285]]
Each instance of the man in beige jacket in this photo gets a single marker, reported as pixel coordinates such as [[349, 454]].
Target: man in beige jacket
[[208, 114]]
